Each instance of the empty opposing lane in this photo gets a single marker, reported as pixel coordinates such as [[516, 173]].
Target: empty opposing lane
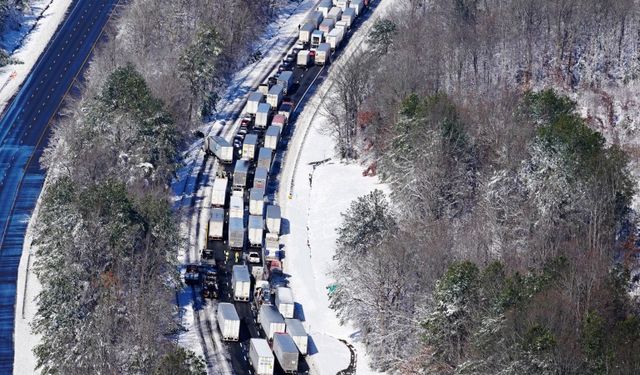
[[24, 130]]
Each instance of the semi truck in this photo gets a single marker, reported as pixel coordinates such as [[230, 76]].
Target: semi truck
[[314, 18], [296, 330], [270, 320], [285, 79], [274, 97], [260, 178], [220, 148], [249, 146], [260, 357], [216, 223], [335, 14], [323, 54], [286, 352], [236, 206], [272, 135], [265, 157], [262, 116], [334, 38], [219, 192], [240, 174], [348, 16], [304, 58], [228, 321], [236, 233], [316, 38], [357, 5], [273, 219], [324, 7], [241, 281], [284, 301], [256, 230], [255, 98], [304, 35]]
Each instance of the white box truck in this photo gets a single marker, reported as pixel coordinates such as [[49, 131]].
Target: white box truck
[[256, 201], [357, 5], [304, 35], [286, 352], [334, 38], [260, 178], [262, 116], [273, 219], [241, 282], [274, 97], [335, 14], [256, 230], [285, 79], [314, 18], [342, 4], [327, 25], [279, 120], [236, 206], [323, 54], [249, 146], [219, 192], [324, 7], [284, 301], [270, 320], [228, 321], [304, 58], [272, 135], [220, 148], [236, 233], [216, 223], [296, 330], [348, 16], [265, 157], [255, 98], [260, 357], [240, 172]]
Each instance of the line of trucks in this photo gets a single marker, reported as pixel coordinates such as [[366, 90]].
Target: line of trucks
[[267, 113]]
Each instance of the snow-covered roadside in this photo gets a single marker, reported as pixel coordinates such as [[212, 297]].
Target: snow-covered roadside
[[48, 14], [312, 202], [24, 361]]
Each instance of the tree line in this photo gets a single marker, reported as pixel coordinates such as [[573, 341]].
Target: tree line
[[106, 238], [506, 244]]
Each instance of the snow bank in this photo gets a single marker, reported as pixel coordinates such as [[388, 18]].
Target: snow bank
[[45, 16]]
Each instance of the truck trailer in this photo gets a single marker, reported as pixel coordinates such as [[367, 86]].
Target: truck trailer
[[270, 320], [335, 14], [220, 148], [216, 223], [272, 135], [304, 58], [262, 116], [265, 157], [260, 178], [228, 321], [323, 54], [334, 38], [236, 233], [241, 281], [273, 219], [272, 246], [219, 192], [249, 146], [286, 352], [296, 330], [324, 7], [240, 175], [327, 25], [274, 97], [260, 357], [304, 35], [256, 230], [348, 16], [284, 301], [255, 98], [357, 5], [256, 201], [314, 18], [285, 79], [236, 206]]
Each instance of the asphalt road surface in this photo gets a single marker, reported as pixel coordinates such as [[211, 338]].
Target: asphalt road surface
[[24, 129]]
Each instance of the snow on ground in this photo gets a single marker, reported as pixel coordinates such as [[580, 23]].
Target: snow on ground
[[24, 360], [40, 23]]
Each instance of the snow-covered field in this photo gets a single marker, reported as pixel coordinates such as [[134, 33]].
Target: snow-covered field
[[44, 17]]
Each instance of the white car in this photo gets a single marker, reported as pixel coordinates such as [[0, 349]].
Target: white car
[[254, 257]]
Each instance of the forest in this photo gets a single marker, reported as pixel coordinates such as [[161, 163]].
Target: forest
[[509, 240], [106, 237]]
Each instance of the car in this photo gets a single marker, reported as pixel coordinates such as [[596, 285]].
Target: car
[[312, 53], [272, 81], [243, 130], [246, 121], [286, 65], [237, 143], [300, 45], [254, 257], [191, 274], [207, 254], [295, 50], [291, 58], [288, 101]]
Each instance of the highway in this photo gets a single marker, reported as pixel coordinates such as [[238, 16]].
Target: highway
[[24, 131]]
